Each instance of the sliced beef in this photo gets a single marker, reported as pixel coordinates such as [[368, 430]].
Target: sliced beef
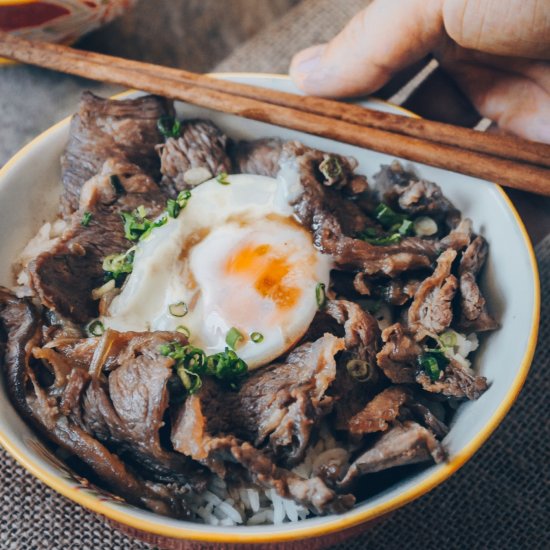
[[404, 190], [406, 443], [431, 310], [125, 130], [260, 156], [398, 356], [459, 237], [280, 404], [40, 405], [381, 412], [199, 154], [198, 433], [64, 276], [357, 374], [456, 380], [473, 310], [335, 220]]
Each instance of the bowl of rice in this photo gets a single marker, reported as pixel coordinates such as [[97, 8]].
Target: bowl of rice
[[249, 515]]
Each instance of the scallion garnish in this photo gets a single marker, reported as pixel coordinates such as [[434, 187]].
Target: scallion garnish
[[169, 127], [95, 328], [432, 363], [86, 218], [320, 295], [257, 337], [360, 369], [222, 178], [448, 339], [117, 266], [183, 330], [330, 168], [371, 236], [178, 310], [175, 206], [192, 362], [233, 338]]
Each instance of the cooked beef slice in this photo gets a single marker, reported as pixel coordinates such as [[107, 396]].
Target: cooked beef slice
[[40, 406], [200, 152], [197, 433], [334, 221], [431, 309], [408, 193], [473, 310], [381, 411], [398, 356], [279, 405], [126, 411], [456, 380], [64, 276], [459, 237], [125, 130], [361, 337], [406, 443], [260, 156]]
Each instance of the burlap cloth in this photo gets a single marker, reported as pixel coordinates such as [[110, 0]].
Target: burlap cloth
[[498, 500]]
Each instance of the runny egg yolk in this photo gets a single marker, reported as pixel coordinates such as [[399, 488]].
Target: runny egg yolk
[[267, 272]]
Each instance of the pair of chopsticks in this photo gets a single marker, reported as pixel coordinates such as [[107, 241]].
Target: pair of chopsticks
[[508, 160]]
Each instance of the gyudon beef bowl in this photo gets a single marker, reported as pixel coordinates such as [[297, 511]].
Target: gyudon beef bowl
[[220, 330]]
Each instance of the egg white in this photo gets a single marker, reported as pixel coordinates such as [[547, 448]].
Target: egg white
[[237, 258]]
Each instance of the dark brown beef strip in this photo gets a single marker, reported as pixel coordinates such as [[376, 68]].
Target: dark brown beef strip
[[198, 433], [126, 412], [379, 413], [397, 358], [404, 190], [406, 443], [260, 156], [431, 310], [103, 128], [456, 381], [473, 311], [321, 210], [200, 145], [20, 327], [281, 404], [361, 336], [64, 276]]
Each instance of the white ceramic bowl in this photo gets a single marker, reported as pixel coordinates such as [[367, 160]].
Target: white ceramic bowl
[[29, 189]]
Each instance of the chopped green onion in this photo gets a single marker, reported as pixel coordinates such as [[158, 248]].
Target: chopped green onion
[[433, 363], [175, 206], [233, 338], [406, 227], [330, 168], [386, 216], [116, 183], [222, 178], [86, 218], [257, 337], [117, 266], [192, 362], [448, 339], [381, 239], [178, 310], [360, 370], [95, 328], [183, 330], [169, 127], [320, 295]]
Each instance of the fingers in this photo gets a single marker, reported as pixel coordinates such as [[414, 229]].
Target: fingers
[[518, 101], [519, 28], [382, 39]]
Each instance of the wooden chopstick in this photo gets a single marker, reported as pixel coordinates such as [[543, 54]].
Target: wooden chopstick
[[522, 165]]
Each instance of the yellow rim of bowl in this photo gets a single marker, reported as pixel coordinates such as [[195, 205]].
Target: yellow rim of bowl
[[332, 525]]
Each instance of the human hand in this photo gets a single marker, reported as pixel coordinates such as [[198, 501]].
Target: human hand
[[496, 50]]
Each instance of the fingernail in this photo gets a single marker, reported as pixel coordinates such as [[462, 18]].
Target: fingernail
[[308, 61]]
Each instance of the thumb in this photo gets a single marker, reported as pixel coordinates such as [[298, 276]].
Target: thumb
[[383, 38]]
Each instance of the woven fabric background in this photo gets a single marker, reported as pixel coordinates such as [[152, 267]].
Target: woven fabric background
[[496, 501]]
